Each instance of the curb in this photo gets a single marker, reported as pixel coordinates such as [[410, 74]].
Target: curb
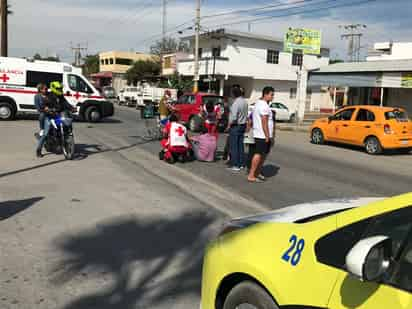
[[293, 128]]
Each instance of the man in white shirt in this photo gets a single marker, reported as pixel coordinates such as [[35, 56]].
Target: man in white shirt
[[263, 132]]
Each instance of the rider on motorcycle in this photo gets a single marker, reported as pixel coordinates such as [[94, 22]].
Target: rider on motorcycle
[[56, 104]]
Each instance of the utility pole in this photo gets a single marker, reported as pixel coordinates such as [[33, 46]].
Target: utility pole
[[354, 40], [197, 29], [4, 27], [164, 25], [78, 54]]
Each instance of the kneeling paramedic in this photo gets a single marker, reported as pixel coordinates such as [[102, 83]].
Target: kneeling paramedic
[[175, 142]]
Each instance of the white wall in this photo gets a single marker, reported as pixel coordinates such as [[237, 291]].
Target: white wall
[[399, 51], [247, 58], [282, 91]]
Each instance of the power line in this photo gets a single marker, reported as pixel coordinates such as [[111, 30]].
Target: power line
[[254, 9], [354, 40], [268, 17]]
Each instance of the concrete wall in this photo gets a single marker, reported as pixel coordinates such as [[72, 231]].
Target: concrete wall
[[117, 68]]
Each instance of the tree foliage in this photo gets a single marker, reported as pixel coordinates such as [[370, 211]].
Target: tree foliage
[[169, 45], [91, 65], [148, 70], [49, 58], [178, 82]]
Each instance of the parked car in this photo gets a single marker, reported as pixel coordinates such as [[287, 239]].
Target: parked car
[[373, 127], [128, 96], [190, 105], [282, 112], [347, 253]]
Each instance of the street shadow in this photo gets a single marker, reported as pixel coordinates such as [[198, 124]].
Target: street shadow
[[23, 117], [270, 170], [31, 168], [10, 208], [137, 256], [102, 121], [386, 152]]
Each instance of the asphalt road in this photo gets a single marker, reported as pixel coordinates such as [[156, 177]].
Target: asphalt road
[[297, 170], [117, 228]]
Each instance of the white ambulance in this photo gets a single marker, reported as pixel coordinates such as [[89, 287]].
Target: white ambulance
[[20, 77]]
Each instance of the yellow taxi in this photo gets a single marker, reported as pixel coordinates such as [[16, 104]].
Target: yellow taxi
[[348, 253], [373, 127]]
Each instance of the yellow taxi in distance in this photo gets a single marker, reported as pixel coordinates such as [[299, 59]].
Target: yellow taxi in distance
[[348, 253], [376, 128]]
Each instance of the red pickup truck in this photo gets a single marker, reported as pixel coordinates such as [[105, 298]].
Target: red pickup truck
[[190, 105]]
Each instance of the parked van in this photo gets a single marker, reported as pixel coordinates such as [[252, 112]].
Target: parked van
[[19, 78]]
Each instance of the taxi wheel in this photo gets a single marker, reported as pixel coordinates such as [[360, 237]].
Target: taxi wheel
[[317, 137], [373, 146], [249, 295]]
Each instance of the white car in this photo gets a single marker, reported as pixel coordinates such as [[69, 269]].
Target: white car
[[282, 112], [129, 95]]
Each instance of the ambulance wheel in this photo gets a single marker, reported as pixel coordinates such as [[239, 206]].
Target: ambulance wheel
[[7, 112], [92, 114]]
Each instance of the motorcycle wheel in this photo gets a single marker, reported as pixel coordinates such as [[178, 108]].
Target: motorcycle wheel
[[68, 147]]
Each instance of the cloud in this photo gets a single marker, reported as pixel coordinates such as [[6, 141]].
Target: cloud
[[49, 26]]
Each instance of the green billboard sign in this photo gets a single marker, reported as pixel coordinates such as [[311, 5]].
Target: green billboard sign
[[306, 40]]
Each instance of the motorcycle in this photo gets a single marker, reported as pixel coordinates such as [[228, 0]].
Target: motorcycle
[[60, 138]]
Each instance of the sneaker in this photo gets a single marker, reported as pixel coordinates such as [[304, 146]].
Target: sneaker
[[41, 132], [234, 169]]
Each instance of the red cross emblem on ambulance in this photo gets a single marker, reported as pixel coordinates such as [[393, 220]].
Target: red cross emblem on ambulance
[[77, 96], [4, 78]]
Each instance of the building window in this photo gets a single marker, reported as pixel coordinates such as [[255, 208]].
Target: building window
[[272, 56], [111, 61], [106, 61], [216, 51], [124, 61], [293, 93], [297, 59], [102, 61]]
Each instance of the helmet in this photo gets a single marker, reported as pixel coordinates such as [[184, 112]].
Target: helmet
[[56, 88]]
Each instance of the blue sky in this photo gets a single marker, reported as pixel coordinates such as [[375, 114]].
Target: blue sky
[[48, 26]]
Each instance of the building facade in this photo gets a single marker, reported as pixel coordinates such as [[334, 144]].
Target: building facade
[[253, 62], [384, 79], [113, 66]]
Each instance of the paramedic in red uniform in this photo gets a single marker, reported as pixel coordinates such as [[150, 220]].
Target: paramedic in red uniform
[[175, 141]]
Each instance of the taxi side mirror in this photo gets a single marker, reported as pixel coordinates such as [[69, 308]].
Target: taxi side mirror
[[330, 118], [370, 258]]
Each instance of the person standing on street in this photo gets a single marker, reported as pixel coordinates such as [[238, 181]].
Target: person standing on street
[[164, 106], [263, 132], [237, 127], [39, 102]]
